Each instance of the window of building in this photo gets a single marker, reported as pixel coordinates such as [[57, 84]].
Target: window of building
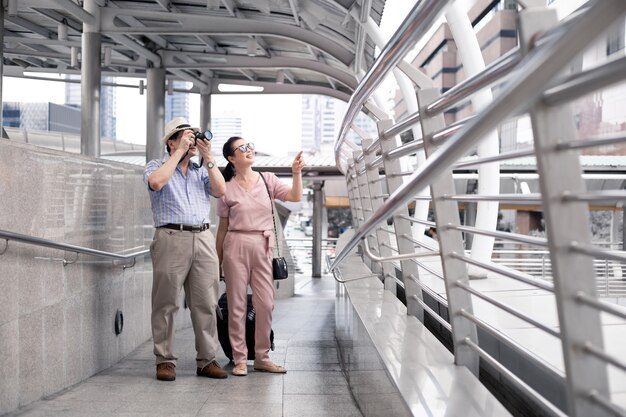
[[615, 39]]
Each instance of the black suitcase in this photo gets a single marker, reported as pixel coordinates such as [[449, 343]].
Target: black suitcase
[[222, 328]]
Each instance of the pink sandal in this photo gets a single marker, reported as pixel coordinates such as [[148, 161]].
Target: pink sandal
[[269, 367]]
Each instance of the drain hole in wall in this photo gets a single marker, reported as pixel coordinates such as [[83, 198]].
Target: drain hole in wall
[[119, 322]]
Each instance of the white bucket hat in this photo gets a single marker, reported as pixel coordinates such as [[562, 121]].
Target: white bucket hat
[[176, 125]]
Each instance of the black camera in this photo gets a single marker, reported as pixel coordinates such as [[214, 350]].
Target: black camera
[[206, 135]]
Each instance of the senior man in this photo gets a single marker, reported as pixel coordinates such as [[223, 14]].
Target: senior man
[[183, 250]]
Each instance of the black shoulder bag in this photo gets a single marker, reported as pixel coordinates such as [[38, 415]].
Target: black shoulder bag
[[279, 264]]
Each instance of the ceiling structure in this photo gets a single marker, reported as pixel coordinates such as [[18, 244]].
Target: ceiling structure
[[283, 46]]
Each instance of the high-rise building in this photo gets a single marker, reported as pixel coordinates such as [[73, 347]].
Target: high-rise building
[[41, 116], [321, 119], [223, 127], [177, 103], [108, 104], [311, 134]]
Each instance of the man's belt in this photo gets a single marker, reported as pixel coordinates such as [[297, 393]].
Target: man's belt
[[196, 228]]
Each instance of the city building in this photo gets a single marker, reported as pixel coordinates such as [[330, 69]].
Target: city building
[[108, 104], [177, 102], [224, 126], [321, 120], [41, 116]]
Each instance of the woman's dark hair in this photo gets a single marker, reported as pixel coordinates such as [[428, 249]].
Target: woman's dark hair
[[228, 150]]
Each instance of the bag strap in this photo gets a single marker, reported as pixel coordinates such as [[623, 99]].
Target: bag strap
[[273, 218]]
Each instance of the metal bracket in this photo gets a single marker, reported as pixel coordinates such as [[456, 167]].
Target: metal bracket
[[124, 267], [66, 262], [6, 246]]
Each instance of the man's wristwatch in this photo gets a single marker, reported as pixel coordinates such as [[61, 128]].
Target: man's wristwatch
[[210, 164]]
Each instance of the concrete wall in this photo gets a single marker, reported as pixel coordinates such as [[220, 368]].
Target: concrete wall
[[57, 322]]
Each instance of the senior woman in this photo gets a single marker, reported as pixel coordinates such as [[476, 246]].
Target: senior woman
[[244, 245]]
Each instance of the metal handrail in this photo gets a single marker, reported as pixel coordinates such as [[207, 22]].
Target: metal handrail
[[37, 241], [518, 95]]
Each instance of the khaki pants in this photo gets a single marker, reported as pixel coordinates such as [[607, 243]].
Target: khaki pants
[[184, 259]]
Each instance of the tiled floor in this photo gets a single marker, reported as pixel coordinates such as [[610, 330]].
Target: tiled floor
[[304, 328]]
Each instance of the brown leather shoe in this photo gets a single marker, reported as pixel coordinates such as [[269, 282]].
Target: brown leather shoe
[[166, 371], [212, 370]]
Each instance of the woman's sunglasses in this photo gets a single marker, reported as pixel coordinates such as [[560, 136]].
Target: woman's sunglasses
[[244, 147]]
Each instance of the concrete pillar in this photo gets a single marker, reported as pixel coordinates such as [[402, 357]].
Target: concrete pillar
[[318, 207], [90, 85], [156, 112], [205, 111], [624, 228]]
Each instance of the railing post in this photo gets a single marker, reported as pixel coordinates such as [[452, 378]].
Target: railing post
[[402, 227], [567, 224], [366, 201], [317, 220], [353, 197], [450, 243], [376, 191]]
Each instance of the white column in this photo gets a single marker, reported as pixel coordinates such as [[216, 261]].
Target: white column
[[488, 174]]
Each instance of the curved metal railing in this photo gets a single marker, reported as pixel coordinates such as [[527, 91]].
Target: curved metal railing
[[37, 241], [565, 269]]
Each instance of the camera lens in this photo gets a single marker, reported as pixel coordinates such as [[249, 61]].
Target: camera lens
[[206, 135]]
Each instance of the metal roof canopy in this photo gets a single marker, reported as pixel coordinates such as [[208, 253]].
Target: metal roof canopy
[[284, 46]]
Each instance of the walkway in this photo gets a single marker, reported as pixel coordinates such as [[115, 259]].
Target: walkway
[[304, 328]]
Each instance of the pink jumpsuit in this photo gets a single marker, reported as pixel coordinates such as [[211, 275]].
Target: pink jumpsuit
[[246, 260]]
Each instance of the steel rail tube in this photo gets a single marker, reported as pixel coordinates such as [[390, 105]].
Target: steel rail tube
[[414, 26], [515, 237], [496, 158], [585, 82], [396, 279], [515, 380], [509, 198], [590, 197], [514, 275], [414, 220], [600, 354], [432, 312], [373, 146], [596, 252], [429, 269], [449, 130], [403, 256], [494, 72], [606, 403], [614, 309], [375, 162], [508, 309], [499, 335], [401, 126], [592, 142], [420, 244], [429, 291], [405, 149]]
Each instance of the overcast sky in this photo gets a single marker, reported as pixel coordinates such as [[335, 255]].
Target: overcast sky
[[271, 119]]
